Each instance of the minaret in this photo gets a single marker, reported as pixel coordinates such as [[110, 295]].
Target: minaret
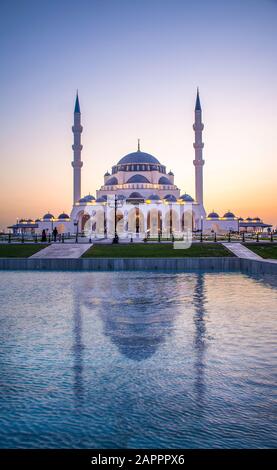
[[77, 148], [198, 127]]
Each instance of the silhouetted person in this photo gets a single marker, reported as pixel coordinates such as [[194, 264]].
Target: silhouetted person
[[43, 236], [55, 233]]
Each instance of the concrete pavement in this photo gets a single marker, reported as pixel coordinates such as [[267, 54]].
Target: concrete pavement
[[63, 250]]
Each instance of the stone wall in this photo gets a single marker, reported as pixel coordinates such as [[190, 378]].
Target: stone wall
[[141, 264]]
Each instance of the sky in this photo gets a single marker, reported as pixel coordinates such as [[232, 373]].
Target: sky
[[136, 64]]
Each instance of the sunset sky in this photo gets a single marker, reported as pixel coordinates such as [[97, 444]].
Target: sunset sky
[[136, 64]]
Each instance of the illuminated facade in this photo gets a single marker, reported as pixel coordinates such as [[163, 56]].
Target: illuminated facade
[[147, 199]]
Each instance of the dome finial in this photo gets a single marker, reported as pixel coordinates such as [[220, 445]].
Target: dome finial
[[138, 145]]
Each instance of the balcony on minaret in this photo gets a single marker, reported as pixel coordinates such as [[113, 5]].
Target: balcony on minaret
[[77, 164], [198, 126], [77, 128], [77, 147], [198, 162], [198, 145]]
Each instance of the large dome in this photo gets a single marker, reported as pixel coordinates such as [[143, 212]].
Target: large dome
[[138, 157]]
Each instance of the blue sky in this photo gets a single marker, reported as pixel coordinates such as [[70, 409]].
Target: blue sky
[[137, 65]]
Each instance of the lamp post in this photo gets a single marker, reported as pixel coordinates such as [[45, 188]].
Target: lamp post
[[117, 203], [201, 228], [76, 225], [115, 240]]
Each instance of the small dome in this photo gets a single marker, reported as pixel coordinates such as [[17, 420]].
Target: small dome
[[135, 196], [170, 198], [171, 173], [187, 198], [63, 215], [213, 215], [257, 219], [249, 219], [138, 157], [30, 220], [138, 179], [111, 181], [48, 216], [164, 180], [229, 215], [240, 219], [154, 197], [107, 174], [101, 199], [88, 198], [37, 220]]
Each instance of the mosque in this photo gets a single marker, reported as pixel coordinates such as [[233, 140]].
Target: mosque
[[148, 202]]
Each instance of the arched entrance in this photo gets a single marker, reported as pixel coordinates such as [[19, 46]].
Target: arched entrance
[[187, 222], [81, 219], [84, 221], [136, 221], [154, 222], [111, 223], [171, 222]]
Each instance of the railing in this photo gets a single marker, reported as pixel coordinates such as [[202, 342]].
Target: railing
[[196, 237]]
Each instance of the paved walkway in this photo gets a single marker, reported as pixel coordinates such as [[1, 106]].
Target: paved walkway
[[242, 252], [63, 250]]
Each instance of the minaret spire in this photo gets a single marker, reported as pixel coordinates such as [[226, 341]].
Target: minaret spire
[[77, 104], [77, 164], [198, 146], [197, 103], [138, 145]]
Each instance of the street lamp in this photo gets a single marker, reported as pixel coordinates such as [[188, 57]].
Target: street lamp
[[76, 225], [117, 203]]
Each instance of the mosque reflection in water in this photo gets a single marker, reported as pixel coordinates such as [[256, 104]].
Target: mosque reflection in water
[[139, 321]]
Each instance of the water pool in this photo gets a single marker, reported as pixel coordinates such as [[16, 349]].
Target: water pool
[[126, 360]]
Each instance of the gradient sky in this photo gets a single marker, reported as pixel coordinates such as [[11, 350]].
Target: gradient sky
[[137, 64]]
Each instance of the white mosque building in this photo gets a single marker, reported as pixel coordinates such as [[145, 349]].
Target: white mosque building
[[148, 202]]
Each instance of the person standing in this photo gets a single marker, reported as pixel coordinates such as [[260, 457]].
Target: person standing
[[55, 233]]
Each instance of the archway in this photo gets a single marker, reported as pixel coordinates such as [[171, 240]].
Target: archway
[[85, 218], [136, 221], [187, 221], [111, 223], [154, 221], [171, 225]]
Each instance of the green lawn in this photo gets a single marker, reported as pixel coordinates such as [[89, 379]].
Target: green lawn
[[155, 250], [23, 250], [267, 251]]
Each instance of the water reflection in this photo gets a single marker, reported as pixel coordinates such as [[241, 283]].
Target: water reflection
[[264, 279], [199, 300], [136, 338], [78, 348], [185, 392], [136, 320]]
